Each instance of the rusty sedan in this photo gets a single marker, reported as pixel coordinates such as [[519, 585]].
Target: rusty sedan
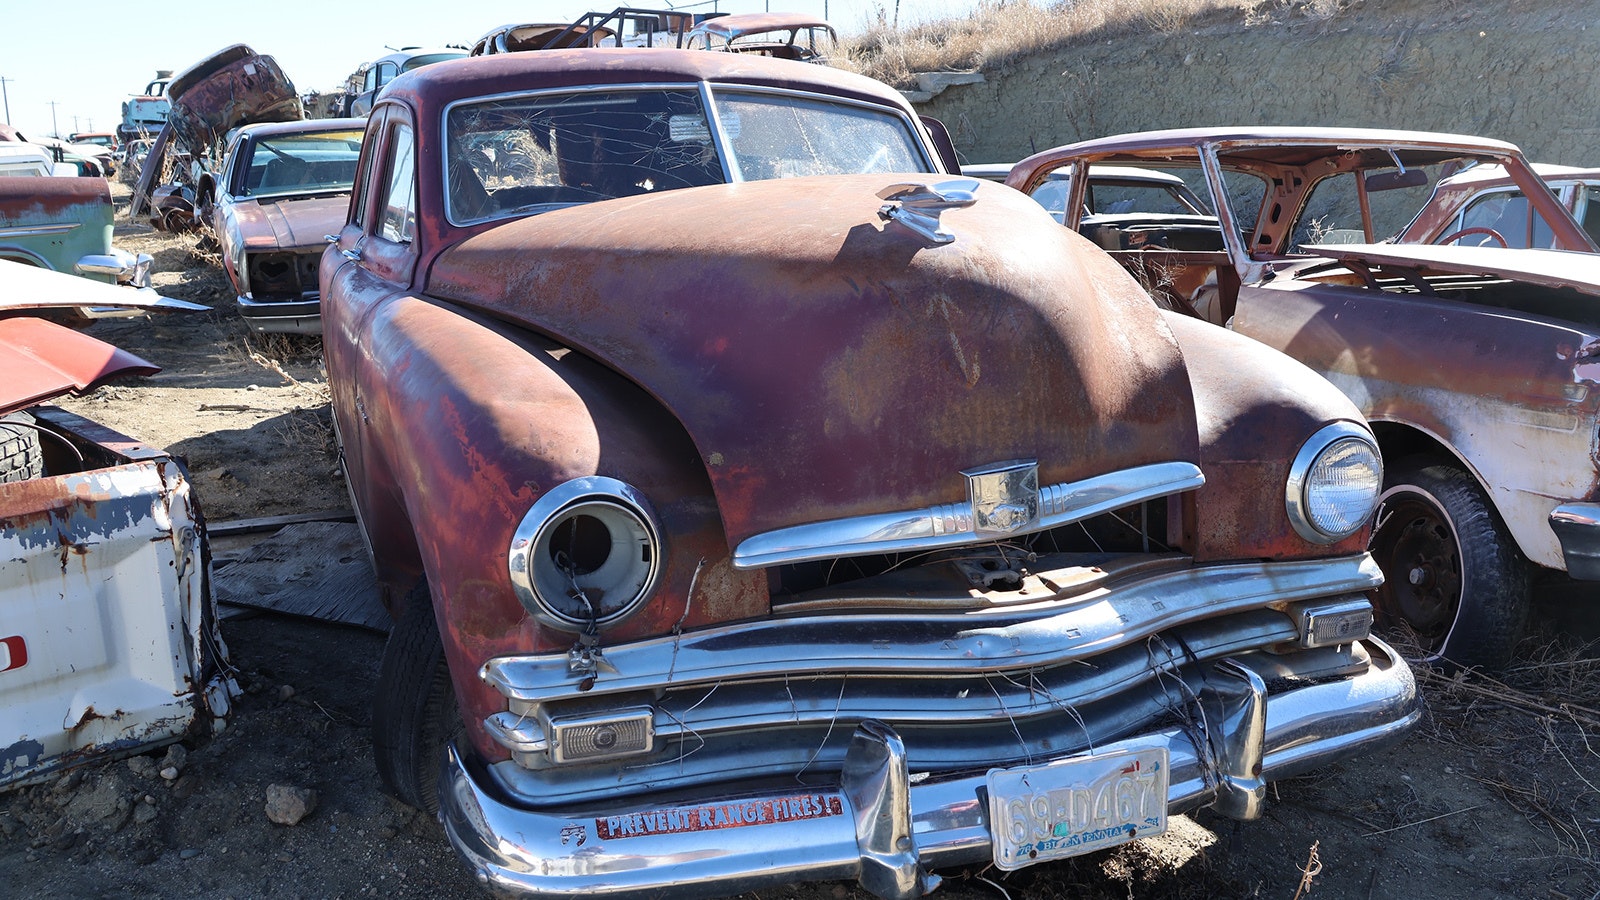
[[757, 500], [1475, 365], [283, 187]]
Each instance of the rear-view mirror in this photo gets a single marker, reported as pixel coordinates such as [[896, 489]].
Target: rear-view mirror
[[1388, 181]]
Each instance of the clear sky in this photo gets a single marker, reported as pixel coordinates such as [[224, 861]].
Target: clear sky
[[89, 56]]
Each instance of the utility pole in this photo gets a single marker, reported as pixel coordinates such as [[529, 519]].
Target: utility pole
[[55, 130], [5, 96]]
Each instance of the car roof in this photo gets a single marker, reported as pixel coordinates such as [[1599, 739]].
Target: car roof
[[998, 172], [503, 73], [401, 57], [302, 126], [1274, 135], [1495, 175], [734, 26]]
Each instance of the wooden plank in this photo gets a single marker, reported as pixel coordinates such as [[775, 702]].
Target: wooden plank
[[318, 570], [272, 523]]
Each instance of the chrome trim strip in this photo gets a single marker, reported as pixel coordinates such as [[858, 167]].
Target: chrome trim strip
[[951, 525], [560, 854], [17, 231], [1047, 633]]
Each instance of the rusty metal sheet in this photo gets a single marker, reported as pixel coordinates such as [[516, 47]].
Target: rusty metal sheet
[[40, 360], [234, 86], [1018, 341], [1550, 268], [107, 639], [24, 287]]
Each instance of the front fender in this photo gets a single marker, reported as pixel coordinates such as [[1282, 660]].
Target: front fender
[[477, 419], [1254, 408]]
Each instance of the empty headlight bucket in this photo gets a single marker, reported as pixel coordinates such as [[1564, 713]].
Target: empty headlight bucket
[[589, 551], [1334, 483]]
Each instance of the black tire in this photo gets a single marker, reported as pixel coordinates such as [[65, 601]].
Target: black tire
[[414, 715], [1452, 573], [21, 457]]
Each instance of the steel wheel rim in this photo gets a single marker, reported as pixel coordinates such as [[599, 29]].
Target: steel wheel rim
[[1415, 545]]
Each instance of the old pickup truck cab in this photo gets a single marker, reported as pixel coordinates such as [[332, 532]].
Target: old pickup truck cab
[[757, 500], [1475, 364]]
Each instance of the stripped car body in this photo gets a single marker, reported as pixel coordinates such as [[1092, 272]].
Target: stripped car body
[[777, 34], [283, 187], [1487, 197], [108, 640], [65, 225], [1474, 364], [233, 87], [754, 486]]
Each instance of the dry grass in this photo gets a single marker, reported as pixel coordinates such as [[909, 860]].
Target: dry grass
[[1002, 31]]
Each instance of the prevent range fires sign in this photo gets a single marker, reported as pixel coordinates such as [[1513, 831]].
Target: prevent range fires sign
[[677, 820]]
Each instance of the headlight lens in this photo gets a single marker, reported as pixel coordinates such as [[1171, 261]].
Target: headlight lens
[[1334, 483], [588, 552]]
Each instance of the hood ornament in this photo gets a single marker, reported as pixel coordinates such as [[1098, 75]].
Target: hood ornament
[[1004, 496], [920, 205]]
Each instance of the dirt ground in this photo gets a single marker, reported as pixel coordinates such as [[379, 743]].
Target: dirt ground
[[1496, 795]]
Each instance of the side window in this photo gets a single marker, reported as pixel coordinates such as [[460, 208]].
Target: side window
[[1503, 212], [369, 162], [1589, 210], [1052, 195], [400, 205]]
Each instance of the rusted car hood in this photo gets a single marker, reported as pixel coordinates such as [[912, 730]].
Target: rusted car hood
[[1550, 268], [40, 360], [797, 353], [290, 221]]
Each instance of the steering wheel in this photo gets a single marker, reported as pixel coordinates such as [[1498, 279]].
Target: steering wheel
[[1476, 229]]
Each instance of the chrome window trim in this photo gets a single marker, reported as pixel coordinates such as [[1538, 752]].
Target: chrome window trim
[[707, 92], [952, 525], [1300, 470]]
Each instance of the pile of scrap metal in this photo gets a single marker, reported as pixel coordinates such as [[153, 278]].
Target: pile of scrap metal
[[108, 634], [232, 87]]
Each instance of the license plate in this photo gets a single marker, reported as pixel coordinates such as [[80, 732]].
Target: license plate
[[1075, 806]]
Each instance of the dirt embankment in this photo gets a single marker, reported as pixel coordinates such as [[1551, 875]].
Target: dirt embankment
[[1521, 72]]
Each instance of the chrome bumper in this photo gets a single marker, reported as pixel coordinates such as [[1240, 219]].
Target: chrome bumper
[[1577, 527], [877, 826], [282, 316]]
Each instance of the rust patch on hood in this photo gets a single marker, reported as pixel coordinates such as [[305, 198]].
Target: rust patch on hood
[[828, 363]]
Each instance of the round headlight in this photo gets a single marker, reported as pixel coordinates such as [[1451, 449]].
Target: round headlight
[[1334, 483], [588, 552]]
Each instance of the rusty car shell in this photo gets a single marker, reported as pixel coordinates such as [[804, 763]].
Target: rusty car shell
[[777, 34], [271, 218], [538, 36], [108, 639], [1477, 357], [1487, 197], [774, 364], [233, 87], [65, 225]]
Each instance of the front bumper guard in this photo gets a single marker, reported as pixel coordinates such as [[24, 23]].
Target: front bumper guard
[[1577, 527], [886, 830]]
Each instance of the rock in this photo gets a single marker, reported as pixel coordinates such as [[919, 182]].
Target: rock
[[288, 804], [185, 786], [285, 691], [142, 766], [144, 814], [170, 773], [188, 853], [177, 757]]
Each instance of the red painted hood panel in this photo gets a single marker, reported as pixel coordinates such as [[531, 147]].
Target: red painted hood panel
[[289, 222], [827, 363], [40, 360]]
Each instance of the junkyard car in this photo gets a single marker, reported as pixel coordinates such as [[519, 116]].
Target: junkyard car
[[381, 71], [143, 115], [781, 35], [283, 187], [64, 224], [1484, 207], [1112, 191], [233, 87], [758, 501], [1475, 365], [108, 641]]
